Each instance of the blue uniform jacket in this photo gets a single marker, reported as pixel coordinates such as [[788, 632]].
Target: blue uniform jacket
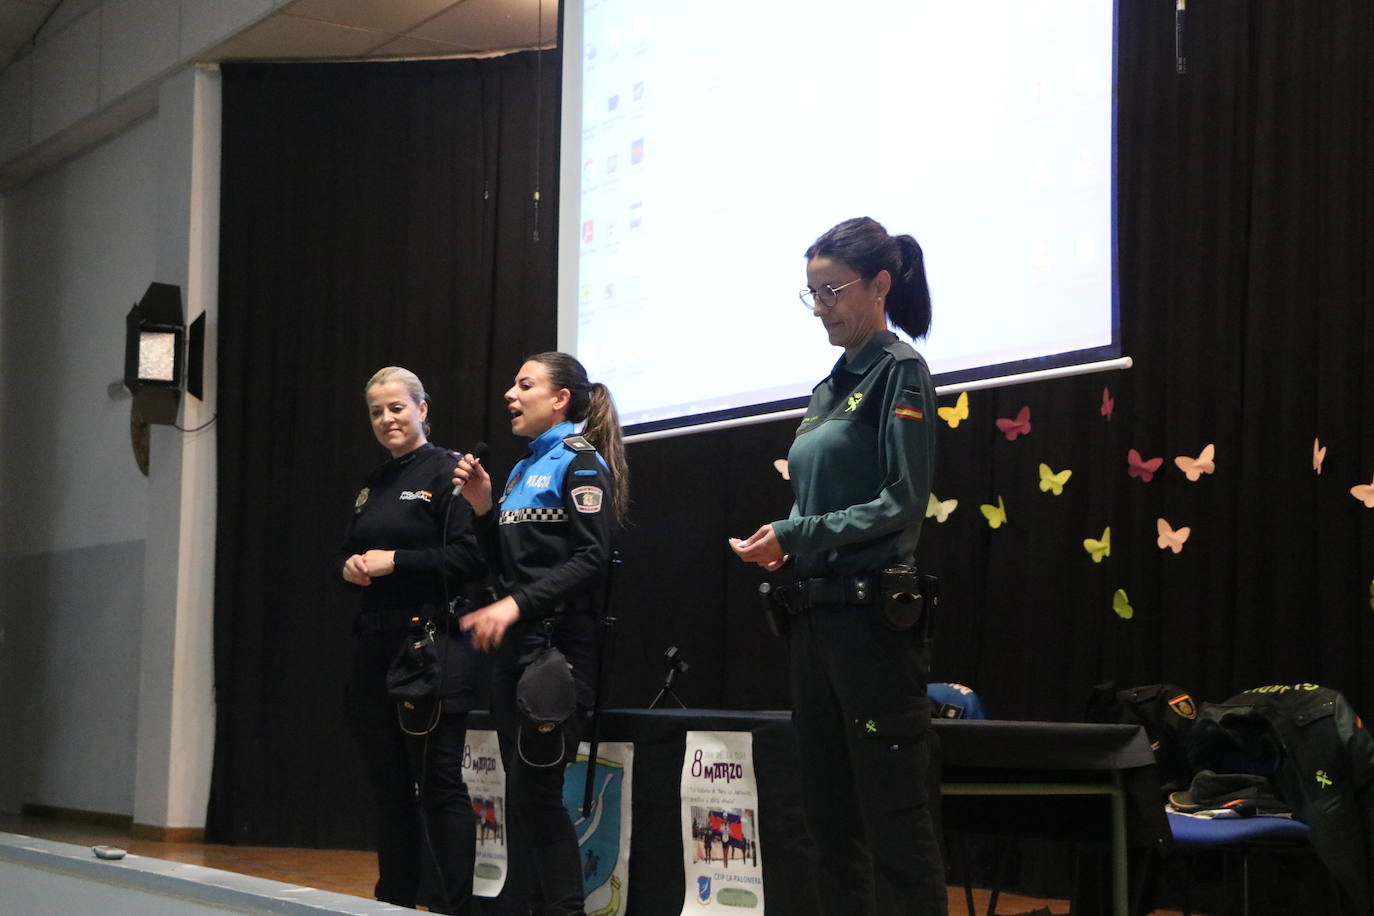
[[552, 526]]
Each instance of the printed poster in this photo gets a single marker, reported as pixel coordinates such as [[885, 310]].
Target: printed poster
[[486, 780], [604, 835], [720, 801]]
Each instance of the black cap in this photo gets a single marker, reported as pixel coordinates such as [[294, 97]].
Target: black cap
[[1245, 793], [546, 697]]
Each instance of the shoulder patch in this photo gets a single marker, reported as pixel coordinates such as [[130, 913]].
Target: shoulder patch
[[578, 443], [587, 499]]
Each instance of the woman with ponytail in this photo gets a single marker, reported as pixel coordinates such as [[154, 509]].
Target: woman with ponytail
[[860, 467], [548, 536]]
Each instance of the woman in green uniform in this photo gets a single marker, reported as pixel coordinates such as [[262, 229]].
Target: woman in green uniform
[[860, 467]]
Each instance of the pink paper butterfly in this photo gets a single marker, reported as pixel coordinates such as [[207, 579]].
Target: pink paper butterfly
[[1364, 492], [1108, 403], [1018, 427], [1193, 468], [1318, 455], [1139, 467], [1169, 539]]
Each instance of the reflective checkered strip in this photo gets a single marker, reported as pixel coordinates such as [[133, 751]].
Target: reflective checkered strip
[[533, 514]]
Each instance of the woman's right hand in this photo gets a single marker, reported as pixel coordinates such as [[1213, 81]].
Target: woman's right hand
[[476, 483], [355, 570]]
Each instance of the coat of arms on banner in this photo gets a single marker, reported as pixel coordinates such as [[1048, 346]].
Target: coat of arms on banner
[[603, 836]]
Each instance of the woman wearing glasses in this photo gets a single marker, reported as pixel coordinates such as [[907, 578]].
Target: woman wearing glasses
[[860, 467], [549, 539]]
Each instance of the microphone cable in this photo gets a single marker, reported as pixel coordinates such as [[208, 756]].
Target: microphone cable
[[479, 451]]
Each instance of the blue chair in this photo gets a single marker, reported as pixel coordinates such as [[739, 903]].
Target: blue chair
[[1240, 835]]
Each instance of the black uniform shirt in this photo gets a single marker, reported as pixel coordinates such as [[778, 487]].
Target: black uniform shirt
[[401, 507]]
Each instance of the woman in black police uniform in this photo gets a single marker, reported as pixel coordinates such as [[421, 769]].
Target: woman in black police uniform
[[403, 563], [550, 541], [860, 467]]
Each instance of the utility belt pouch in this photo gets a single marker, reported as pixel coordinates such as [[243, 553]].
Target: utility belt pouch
[[776, 607], [899, 589]]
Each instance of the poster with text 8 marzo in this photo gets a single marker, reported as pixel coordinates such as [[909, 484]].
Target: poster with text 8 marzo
[[721, 859]]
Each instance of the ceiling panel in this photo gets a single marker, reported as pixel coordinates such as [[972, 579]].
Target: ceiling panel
[[396, 17], [488, 25], [289, 37]]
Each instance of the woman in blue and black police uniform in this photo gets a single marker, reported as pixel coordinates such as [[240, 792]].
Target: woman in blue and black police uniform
[[860, 467], [549, 538], [404, 563]]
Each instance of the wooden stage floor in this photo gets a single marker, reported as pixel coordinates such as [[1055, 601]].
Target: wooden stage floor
[[347, 871]]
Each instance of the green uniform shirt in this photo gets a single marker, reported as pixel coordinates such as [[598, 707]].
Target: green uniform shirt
[[861, 463]]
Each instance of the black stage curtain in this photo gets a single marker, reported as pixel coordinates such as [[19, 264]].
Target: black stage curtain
[[372, 214], [1246, 237]]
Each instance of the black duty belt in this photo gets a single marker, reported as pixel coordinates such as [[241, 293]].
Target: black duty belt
[[380, 620], [859, 589]]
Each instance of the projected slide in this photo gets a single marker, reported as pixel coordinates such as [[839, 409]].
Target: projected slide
[[707, 144]]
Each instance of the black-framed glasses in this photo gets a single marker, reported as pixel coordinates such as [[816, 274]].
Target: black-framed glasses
[[827, 295]]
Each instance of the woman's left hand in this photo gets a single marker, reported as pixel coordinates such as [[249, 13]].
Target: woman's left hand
[[761, 547], [380, 562], [489, 624]]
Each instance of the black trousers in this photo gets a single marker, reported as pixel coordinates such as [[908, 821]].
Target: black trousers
[[426, 828], [545, 876], [862, 722]]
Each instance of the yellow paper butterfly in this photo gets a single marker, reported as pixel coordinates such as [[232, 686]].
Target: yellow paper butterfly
[[1193, 468], [1053, 483], [1364, 492], [780, 465], [1102, 548], [939, 508], [1318, 455], [952, 415], [1170, 539], [1122, 605], [996, 515]]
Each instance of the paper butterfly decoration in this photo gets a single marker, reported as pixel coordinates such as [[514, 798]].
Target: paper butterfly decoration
[[1021, 426], [781, 466], [952, 415], [1108, 403], [1099, 548], [939, 508], [1193, 468], [1142, 467], [996, 515], [1169, 539], [1122, 605], [1318, 455], [1364, 492], [1051, 482]]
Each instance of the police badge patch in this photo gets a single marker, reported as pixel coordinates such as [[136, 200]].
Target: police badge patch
[[587, 499], [360, 501], [1183, 705]]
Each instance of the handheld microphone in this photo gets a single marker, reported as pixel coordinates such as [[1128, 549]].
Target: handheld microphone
[[479, 451]]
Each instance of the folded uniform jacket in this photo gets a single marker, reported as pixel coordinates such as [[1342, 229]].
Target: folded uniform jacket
[[1245, 794]]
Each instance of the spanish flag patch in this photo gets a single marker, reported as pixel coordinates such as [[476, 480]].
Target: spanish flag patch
[[910, 413]]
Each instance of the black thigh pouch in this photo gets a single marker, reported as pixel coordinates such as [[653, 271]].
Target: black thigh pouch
[[887, 750]]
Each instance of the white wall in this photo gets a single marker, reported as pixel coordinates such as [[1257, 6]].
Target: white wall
[[80, 248], [106, 588]]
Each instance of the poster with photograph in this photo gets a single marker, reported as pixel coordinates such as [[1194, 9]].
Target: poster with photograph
[[720, 850], [486, 780], [603, 835]]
